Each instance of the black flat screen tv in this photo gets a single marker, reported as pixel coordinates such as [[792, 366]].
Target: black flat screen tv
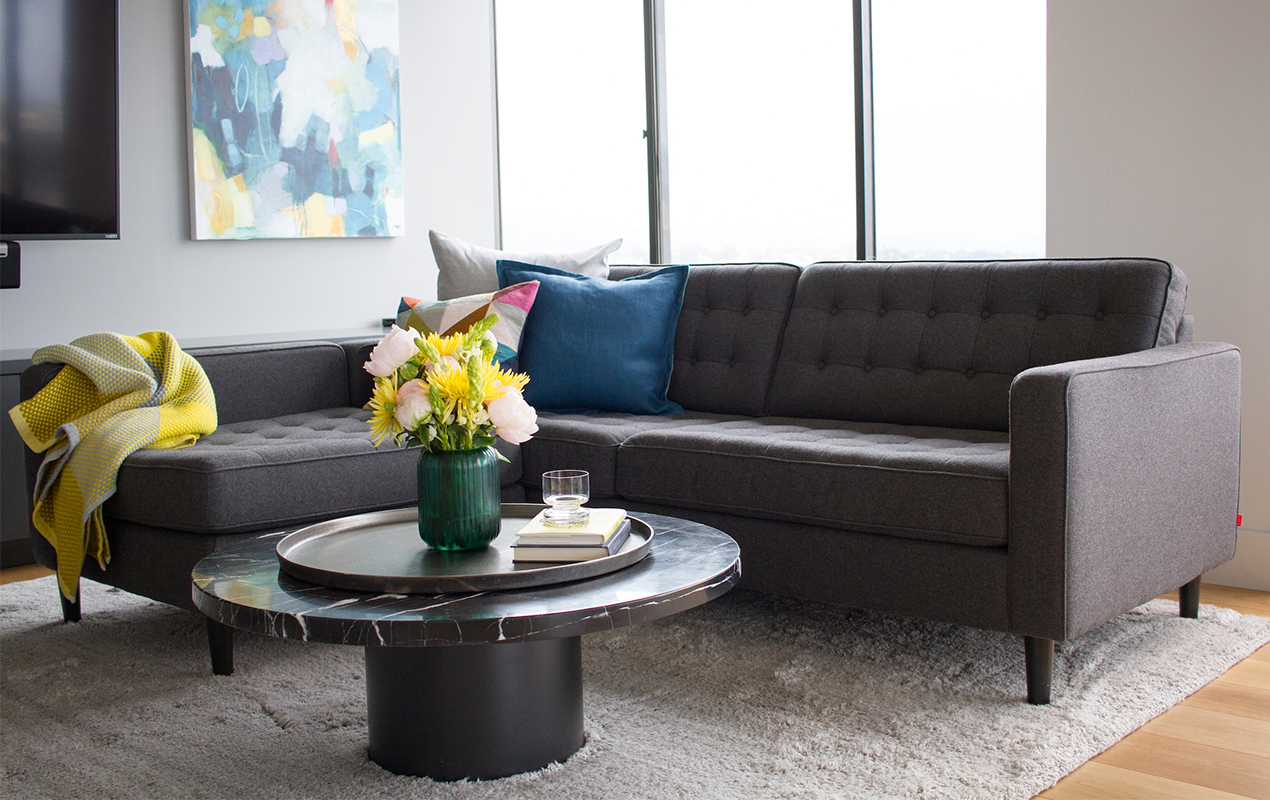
[[59, 119]]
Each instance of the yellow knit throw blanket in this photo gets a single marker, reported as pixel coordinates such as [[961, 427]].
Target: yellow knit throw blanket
[[116, 395]]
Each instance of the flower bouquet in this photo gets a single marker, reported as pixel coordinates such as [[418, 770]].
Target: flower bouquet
[[446, 395], [446, 392]]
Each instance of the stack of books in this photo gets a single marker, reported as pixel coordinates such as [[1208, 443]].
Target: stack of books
[[601, 535]]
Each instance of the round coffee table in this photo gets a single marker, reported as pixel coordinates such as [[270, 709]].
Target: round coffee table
[[470, 685]]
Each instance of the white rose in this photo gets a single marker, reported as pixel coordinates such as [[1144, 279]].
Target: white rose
[[515, 419], [395, 349], [413, 405]]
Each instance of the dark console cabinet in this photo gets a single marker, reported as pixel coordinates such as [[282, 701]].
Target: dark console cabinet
[[15, 544]]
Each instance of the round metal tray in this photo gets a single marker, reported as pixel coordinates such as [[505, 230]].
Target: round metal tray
[[382, 552]]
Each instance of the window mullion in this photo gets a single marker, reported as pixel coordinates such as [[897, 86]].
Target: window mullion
[[866, 225], [655, 132]]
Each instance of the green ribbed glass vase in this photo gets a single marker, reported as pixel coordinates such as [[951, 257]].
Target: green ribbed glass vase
[[459, 498]]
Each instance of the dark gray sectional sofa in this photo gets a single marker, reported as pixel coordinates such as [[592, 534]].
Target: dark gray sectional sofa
[[1025, 446]]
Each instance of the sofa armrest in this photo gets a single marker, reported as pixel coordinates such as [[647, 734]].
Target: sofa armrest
[[1124, 482], [360, 382], [1186, 330]]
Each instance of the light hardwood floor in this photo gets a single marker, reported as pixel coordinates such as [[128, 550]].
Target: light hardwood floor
[[26, 573], [1214, 744]]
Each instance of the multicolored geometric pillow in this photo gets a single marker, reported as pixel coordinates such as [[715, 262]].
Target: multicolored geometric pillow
[[445, 317]]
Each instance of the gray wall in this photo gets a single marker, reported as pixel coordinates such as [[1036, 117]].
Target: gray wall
[[1159, 145], [155, 276]]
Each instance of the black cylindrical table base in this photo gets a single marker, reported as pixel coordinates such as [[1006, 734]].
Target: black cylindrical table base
[[474, 711]]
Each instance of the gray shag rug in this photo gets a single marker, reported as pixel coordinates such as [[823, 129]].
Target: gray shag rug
[[747, 696]]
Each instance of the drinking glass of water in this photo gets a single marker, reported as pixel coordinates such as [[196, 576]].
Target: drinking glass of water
[[565, 490]]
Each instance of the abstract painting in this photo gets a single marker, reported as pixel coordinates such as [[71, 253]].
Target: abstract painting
[[295, 119]]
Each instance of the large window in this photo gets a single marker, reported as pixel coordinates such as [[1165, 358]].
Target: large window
[[572, 166], [758, 125], [760, 129], [959, 128]]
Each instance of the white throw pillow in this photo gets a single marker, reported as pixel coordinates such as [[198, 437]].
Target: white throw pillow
[[466, 269]]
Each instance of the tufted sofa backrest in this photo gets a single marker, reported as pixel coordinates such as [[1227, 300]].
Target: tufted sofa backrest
[[264, 381], [729, 334], [931, 343]]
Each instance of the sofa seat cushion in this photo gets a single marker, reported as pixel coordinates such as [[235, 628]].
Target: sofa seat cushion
[[271, 474], [591, 442], [936, 484]]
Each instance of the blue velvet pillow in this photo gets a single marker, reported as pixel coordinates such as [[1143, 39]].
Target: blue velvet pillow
[[599, 345]]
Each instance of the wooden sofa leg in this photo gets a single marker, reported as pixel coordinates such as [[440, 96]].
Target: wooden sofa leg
[[220, 638], [70, 608], [1188, 600], [1038, 659]]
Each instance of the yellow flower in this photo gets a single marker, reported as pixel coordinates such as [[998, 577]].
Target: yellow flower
[[450, 380], [382, 405], [447, 345], [497, 379]]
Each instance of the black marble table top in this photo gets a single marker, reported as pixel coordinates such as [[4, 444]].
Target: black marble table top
[[242, 586]]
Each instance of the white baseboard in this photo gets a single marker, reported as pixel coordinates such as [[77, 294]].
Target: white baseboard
[[1250, 568]]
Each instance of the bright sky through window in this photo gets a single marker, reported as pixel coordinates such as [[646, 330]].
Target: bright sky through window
[[762, 130], [572, 160]]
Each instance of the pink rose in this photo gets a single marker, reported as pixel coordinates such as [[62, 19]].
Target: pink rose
[[413, 404], [515, 419], [396, 348]]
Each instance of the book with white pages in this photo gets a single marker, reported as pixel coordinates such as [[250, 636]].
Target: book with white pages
[[597, 530], [522, 553]]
